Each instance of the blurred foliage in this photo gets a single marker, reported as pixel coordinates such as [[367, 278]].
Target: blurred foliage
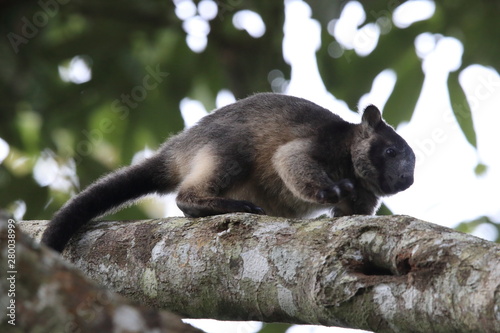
[[470, 226], [274, 328], [475, 26], [139, 49], [99, 123]]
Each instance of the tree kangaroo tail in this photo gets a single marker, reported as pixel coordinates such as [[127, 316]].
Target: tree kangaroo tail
[[106, 194]]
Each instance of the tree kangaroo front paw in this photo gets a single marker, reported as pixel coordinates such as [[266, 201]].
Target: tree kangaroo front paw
[[335, 193]]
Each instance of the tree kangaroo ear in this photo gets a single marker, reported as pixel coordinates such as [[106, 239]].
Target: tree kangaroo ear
[[371, 116]]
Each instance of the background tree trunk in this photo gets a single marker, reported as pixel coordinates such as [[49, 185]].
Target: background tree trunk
[[42, 293], [380, 273]]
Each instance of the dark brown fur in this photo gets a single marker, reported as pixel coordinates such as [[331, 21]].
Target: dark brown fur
[[271, 153]]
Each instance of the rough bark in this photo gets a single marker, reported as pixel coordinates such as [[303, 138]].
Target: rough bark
[[385, 274], [40, 292]]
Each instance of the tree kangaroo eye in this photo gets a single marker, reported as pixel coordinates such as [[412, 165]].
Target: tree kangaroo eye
[[390, 152]]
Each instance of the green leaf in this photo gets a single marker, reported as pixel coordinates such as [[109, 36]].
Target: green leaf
[[461, 108], [275, 328], [480, 169], [384, 210]]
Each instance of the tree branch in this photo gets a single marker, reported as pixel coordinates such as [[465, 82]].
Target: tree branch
[[381, 273], [39, 292]]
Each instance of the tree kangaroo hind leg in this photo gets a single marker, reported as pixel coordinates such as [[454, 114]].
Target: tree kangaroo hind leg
[[201, 191], [194, 205]]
